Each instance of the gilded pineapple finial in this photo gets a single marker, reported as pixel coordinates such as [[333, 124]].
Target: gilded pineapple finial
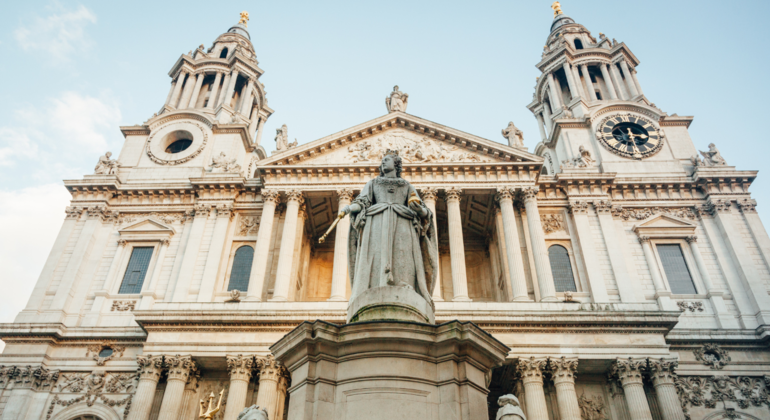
[[244, 18], [556, 6]]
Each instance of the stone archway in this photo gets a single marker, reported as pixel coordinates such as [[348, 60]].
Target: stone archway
[[82, 411]]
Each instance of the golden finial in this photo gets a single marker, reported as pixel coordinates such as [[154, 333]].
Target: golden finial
[[208, 414], [556, 8], [244, 18]]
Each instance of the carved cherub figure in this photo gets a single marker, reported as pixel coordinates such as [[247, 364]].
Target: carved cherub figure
[[106, 166], [514, 135], [509, 408], [221, 164], [397, 100], [712, 157]]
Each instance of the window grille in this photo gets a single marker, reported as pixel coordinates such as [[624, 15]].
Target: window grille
[[239, 275], [136, 270], [561, 268], [677, 272]]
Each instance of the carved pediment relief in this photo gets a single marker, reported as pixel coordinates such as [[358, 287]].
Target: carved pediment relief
[[147, 226], [665, 226]]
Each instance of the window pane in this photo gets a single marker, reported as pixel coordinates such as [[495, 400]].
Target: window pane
[[239, 275], [674, 265], [136, 270], [561, 269]]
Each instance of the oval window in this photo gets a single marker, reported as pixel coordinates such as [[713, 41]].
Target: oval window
[[178, 146], [106, 352]]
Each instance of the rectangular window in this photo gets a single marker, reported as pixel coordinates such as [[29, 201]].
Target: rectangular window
[[136, 270], [679, 277]]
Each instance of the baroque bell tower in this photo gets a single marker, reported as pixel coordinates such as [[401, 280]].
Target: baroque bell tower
[[592, 113]]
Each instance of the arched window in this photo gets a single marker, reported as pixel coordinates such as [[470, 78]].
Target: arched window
[[578, 44], [239, 275], [561, 268], [223, 54]]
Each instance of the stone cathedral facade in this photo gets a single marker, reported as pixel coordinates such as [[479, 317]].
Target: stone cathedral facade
[[627, 271]]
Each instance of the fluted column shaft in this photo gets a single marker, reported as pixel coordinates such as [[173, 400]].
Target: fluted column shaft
[[663, 378], [589, 83], [541, 126], [177, 89], [190, 398], [512, 245], [171, 92], [341, 235], [150, 368], [531, 371], [286, 254], [539, 250], [429, 196], [231, 88], [270, 374], [608, 81], [196, 90], [579, 83], [245, 109], [629, 79], [571, 83], [179, 370], [187, 91], [214, 91], [617, 80], [456, 245], [555, 95], [548, 120], [629, 372], [223, 92], [563, 374], [239, 367], [259, 265]]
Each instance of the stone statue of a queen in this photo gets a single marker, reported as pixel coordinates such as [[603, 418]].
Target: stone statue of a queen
[[392, 249]]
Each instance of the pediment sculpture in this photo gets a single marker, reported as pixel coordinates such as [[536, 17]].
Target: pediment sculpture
[[221, 164], [583, 160], [397, 100], [410, 149]]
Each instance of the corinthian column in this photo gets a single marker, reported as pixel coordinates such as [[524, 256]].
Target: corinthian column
[[196, 90], [663, 378], [512, 245], [190, 397], [214, 90], [429, 195], [531, 371], [456, 245], [563, 375], [270, 374], [288, 238], [340, 267], [179, 369], [629, 372], [150, 368], [177, 88], [270, 199], [240, 368], [539, 251]]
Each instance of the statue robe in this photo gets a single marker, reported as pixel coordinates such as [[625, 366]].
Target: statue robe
[[390, 245]]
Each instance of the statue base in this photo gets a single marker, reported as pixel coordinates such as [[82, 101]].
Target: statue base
[[384, 370], [390, 303]]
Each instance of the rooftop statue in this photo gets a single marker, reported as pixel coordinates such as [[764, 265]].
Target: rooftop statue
[[397, 100], [514, 135], [712, 157], [282, 139], [106, 166]]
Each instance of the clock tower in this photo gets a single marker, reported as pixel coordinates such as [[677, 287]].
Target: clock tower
[[592, 112]]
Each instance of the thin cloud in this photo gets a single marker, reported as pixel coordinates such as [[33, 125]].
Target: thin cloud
[[60, 34]]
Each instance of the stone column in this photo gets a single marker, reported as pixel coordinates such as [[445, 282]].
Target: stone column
[[260, 126], [270, 199], [579, 210], [541, 126], [214, 91], [283, 383], [456, 245], [663, 378], [572, 86], [555, 95], [629, 372], [187, 91], [19, 397], [190, 397], [270, 373], [702, 268], [148, 295], [539, 251], [502, 249], [652, 264], [231, 88], [171, 91], [579, 83], [196, 90], [150, 368], [636, 82], [608, 81], [214, 256], [191, 249], [245, 109], [615, 248], [429, 195], [633, 92], [512, 245], [748, 208], [547, 115], [179, 369], [618, 82], [589, 83], [239, 367], [563, 375], [178, 88], [531, 371], [294, 199], [223, 92], [340, 267]]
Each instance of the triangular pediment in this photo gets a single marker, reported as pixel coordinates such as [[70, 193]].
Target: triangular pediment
[[665, 226], [663, 221], [147, 226], [418, 141]]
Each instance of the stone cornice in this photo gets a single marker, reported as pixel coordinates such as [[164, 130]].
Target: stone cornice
[[58, 333]]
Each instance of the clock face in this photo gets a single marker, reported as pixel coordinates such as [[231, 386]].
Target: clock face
[[629, 136]]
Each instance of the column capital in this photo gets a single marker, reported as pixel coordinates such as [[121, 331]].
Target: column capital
[[74, 212], [429, 193], [193, 380], [692, 238], [149, 367], [179, 367], [644, 239], [719, 205], [563, 369], [225, 210], [505, 193], [269, 368], [295, 195], [603, 206], [453, 194], [629, 371], [531, 370], [240, 367], [269, 195], [747, 205], [662, 371], [202, 210], [578, 207], [530, 194], [345, 194]]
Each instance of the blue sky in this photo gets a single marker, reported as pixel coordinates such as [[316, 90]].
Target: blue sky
[[72, 72]]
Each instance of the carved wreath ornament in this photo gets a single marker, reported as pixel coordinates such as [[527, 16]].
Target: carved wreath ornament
[[185, 157], [713, 356]]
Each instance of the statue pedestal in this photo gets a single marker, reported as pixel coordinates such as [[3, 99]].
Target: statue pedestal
[[390, 303], [389, 370]]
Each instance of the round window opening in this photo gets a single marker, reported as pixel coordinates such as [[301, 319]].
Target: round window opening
[[177, 141], [106, 352]]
